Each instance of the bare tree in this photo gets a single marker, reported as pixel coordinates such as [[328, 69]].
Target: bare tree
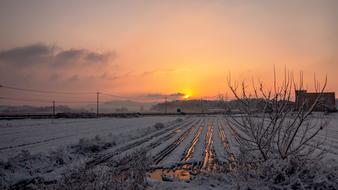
[[269, 124]]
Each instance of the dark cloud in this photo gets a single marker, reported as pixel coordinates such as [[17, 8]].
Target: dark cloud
[[70, 55], [178, 94], [41, 54], [162, 96], [156, 95], [27, 55], [81, 56], [54, 77], [99, 57]]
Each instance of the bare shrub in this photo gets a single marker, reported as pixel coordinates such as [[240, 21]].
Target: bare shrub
[[93, 145], [290, 173], [278, 143], [269, 125], [159, 126], [25, 170], [179, 120]]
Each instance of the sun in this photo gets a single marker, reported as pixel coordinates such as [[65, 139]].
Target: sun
[[187, 93]]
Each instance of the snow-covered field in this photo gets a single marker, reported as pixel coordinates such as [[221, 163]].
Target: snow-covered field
[[43, 135], [198, 144]]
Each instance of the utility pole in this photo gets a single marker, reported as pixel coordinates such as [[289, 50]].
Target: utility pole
[[1, 87], [53, 108], [166, 105], [97, 103]]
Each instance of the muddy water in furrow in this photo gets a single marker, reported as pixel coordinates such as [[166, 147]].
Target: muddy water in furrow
[[223, 137], [172, 146], [180, 172], [105, 158], [170, 174], [191, 149], [183, 170], [209, 162]]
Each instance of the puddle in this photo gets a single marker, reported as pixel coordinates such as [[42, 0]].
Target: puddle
[[186, 172], [170, 174]]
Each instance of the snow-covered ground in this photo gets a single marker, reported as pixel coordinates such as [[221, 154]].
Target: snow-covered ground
[[191, 143], [43, 135]]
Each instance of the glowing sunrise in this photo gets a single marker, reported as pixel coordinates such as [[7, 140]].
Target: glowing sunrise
[[168, 94], [135, 48]]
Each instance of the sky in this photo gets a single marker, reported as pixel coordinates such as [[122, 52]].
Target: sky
[[152, 49]]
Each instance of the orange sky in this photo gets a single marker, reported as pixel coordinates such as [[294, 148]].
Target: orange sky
[[145, 47]]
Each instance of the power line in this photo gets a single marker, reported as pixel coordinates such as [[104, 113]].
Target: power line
[[64, 97], [53, 108], [43, 91], [45, 101], [79, 102], [25, 100], [61, 92]]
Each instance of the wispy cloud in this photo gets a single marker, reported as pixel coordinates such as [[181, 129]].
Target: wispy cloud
[[160, 71], [107, 76], [54, 77], [73, 78]]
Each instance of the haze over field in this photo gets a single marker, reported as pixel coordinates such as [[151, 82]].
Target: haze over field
[[148, 49]]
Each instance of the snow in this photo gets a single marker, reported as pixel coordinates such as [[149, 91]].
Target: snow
[[203, 182], [198, 154], [177, 154], [178, 133], [44, 135], [148, 142], [220, 150], [46, 147]]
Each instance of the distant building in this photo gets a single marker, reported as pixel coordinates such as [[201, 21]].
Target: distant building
[[326, 101]]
